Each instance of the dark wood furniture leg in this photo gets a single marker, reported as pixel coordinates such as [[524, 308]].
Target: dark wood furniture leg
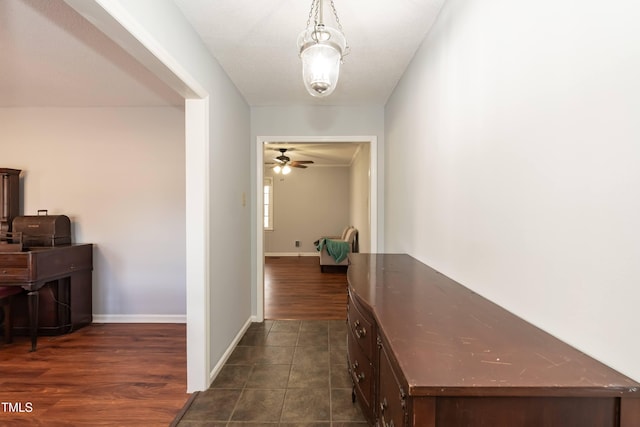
[[33, 318]]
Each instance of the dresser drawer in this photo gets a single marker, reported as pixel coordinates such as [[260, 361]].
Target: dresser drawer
[[392, 404], [361, 327], [361, 372]]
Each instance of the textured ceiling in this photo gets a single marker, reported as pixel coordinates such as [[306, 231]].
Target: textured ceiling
[[255, 42], [50, 56], [53, 57]]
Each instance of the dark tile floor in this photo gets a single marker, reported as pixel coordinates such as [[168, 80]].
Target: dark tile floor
[[289, 373]]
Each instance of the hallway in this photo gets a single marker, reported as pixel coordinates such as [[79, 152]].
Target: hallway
[[283, 373], [294, 288]]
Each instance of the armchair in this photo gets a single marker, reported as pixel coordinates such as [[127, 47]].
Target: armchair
[[334, 250]]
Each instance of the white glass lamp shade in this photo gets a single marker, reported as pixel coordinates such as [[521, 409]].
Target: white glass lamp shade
[[277, 168], [321, 50], [286, 169]]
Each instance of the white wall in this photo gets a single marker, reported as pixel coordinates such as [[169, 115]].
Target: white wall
[[229, 210], [512, 164], [360, 201], [307, 204], [226, 205], [217, 125], [119, 174]]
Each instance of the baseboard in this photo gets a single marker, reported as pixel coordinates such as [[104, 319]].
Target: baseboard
[[163, 318], [139, 318], [291, 254], [216, 369]]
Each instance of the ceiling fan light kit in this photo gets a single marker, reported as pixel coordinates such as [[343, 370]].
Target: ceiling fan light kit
[[321, 51], [285, 163], [282, 169]]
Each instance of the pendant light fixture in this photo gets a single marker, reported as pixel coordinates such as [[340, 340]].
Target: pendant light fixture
[[321, 50]]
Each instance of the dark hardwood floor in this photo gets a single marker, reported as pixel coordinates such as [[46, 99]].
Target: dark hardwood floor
[[100, 375], [135, 374], [294, 288]]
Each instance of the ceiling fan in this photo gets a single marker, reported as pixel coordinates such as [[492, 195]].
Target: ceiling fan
[[284, 163]]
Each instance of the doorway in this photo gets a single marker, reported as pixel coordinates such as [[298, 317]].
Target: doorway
[[370, 141]]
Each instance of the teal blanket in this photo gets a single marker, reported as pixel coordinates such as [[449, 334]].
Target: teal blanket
[[338, 249]]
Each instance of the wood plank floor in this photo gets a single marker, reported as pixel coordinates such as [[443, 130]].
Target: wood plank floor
[[135, 374], [294, 288], [100, 375]]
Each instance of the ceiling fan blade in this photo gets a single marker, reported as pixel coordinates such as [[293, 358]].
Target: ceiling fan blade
[[297, 166], [301, 162]]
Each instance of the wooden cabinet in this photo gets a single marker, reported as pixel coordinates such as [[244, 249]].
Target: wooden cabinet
[[63, 274], [9, 197], [425, 351]]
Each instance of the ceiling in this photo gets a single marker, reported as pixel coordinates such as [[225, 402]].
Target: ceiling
[[255, 42], [322, 154], [52, 57]]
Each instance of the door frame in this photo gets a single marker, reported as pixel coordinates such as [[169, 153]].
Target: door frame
[[372, 140]]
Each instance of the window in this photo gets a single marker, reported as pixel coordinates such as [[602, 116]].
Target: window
[[268, 203]]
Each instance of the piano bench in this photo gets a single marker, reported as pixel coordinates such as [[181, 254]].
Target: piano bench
[[6, 294]]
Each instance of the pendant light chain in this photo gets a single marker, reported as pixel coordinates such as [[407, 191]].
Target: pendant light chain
[[335, 13], [316, 4], [311, 14]]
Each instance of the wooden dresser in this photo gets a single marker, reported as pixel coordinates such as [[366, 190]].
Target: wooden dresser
[[425, 351]]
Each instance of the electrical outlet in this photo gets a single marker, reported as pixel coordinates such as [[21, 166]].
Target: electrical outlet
[[297, 243]]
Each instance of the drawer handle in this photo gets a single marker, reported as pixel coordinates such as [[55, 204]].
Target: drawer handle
[[360, 332], [358, 378], [383, 405]]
